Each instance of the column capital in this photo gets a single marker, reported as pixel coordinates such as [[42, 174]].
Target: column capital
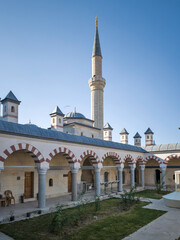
[[42, 165], [163, 166], [142, 167], [120, 166], [133, 166]]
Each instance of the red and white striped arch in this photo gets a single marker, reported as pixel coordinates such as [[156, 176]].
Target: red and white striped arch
[[93, 157], [65, 152], [129, 159], [159, 160], [140, 160], [114, 156], [31, 150], [173, 156]]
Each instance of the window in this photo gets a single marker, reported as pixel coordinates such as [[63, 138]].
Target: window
[[81, 133], [105, 133], [109, 133], [147, 137], [122, 137], [53, 120], [59, 120], [12, 109], [92, 136], [5, 109], [50, 182]]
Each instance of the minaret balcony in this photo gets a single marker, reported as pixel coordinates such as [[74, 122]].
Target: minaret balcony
[[97, 81]]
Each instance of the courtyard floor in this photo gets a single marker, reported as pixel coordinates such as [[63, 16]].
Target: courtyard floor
[[166, 227]]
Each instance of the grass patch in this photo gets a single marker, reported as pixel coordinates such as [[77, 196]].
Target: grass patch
[[111, 222], [149, 193]]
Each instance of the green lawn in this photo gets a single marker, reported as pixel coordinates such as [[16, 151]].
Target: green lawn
[[148, 193], [112, 222]]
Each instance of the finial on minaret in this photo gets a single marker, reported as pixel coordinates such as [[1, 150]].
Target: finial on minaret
[[96, 21]]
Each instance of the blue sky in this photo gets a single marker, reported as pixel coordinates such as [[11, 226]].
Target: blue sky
[[46, 46]]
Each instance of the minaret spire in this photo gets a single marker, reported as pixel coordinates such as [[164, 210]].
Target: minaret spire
[[97, 84], [96, 45]]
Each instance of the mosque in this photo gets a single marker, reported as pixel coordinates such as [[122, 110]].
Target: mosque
[[76, 153]]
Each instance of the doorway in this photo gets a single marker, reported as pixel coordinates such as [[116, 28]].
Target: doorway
[[69, 181], [29, 185]]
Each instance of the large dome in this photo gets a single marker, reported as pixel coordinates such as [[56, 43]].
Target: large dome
[[74, 115]]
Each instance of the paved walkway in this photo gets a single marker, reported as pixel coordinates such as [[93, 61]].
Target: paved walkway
[[4, 237], [21, 209], [166, 227]]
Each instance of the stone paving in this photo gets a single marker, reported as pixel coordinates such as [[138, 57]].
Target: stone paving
[[21, 209], [4, 237], [166, 227]]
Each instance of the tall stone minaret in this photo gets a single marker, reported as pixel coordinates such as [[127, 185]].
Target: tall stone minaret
[[97, 84]]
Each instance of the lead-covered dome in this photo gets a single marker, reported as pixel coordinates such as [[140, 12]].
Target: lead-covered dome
[[74, 115]]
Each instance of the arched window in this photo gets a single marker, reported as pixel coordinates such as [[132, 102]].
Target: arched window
[[147, 137], [50, 182], [59, 120], [12, 109], [92, 136], [5, 109], [53, 120], [122, 137], [81, 133]]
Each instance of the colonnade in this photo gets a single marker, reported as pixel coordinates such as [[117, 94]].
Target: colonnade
[[42, 181]]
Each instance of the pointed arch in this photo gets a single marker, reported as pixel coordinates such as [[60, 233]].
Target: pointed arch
[[172, 156], [129, 159], [66, 152], [114, 156], [92, 156], [31, 150]]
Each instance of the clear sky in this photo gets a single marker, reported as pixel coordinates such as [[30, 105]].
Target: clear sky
[[45, 59]]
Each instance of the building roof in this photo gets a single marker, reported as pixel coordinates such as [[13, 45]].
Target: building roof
[[37, 132], [163, 147], [57, 111], [80, 124], [137, 135], [74, 115], [124, 131], [11, 98], [148, 131], [96, 45], [108, 126]]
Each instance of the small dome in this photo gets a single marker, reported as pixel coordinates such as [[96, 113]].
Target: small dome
[[74, 115]]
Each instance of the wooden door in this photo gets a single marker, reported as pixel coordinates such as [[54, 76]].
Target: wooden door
[[69, 181], [29, 184]]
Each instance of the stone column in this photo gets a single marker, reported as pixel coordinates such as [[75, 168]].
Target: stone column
[[74, 172], [42, 188], [120, 177], [163, 175], [97, 181], [142, 175], [133, 166]]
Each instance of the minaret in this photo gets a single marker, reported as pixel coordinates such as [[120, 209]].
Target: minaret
[[97, 84]]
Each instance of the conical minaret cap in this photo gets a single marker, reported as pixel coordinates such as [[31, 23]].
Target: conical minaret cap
[[96, 45]]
